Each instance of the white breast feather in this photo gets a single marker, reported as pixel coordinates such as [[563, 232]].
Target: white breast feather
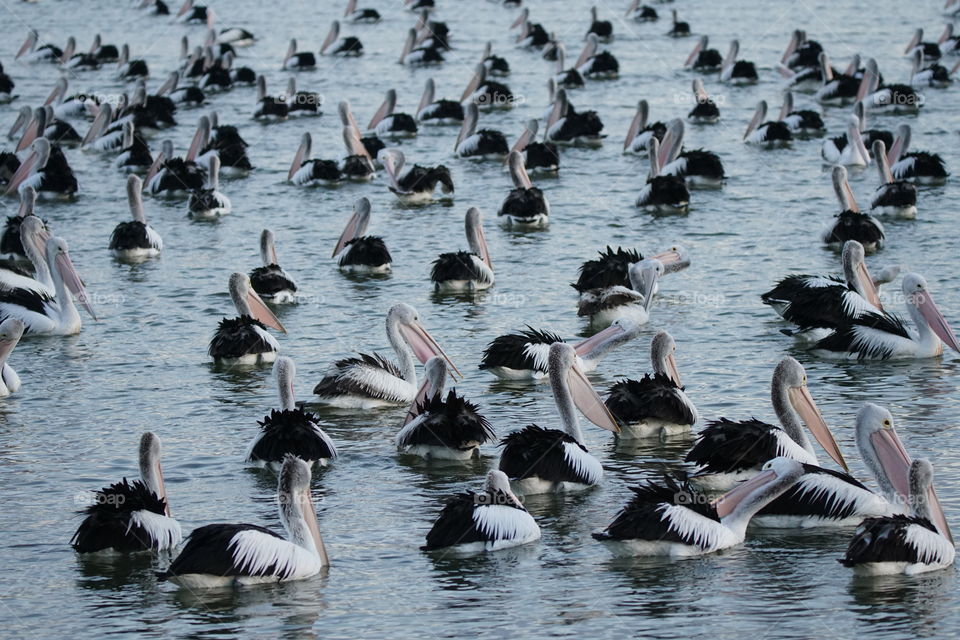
[[254, 552], [164, 531], [501, 522], [931, 548], [676, 168], [706, 533], [584, 465], [540, 354], [840, 494]]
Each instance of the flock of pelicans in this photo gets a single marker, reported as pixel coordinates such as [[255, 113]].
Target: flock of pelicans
[[743, 472]]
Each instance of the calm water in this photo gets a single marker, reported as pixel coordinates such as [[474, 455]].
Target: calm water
[[86, 399]]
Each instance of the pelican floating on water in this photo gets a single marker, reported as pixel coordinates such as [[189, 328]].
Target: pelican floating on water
[[135, 239], [11, 331], [270, 281], [465, 271], [357, 252], [416, 185], [851, 223], [525, 205], [244, 340]]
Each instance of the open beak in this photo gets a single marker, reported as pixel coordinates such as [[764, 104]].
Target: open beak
[[931, 313], [672, 370], [588, 402], [261, 312], [72, 280], [937, 515], [672, 261], [729, 501], [586, 346], [803, 402], [424, 346], [869, 289]]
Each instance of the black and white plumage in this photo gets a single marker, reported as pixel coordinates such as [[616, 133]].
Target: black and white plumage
[[209, 203], [803, 123], [417, 184], [465, 271], [662, 193], [727, 452], [311, 172], [921, 167], [483, 144], [358, 16], [703, 58], [334, 45], [675, 520], [678, 28], [134, 156], [538, 157], [30, 53], [135, 239], [601, 29], [851, 223], [641, 130], [229, 146], [476, 522], [225, 555], [814, 301], [11, 330], [128, 69], [705, 110], [496, 65], [176, 177], [699, 168], [236, 36], [486, 94], [884, 336], [839, 89], [564, 77], [433, 111], [420, 56], [888, 98], [737, 72], [654, 405], [639, 12], [359, 253], [532, 36], [289, 430], [893, 197], [372, 380], [927, 73], [47, 171], [244, 340], [130, 517], [767, 133], [11, 243], [612, 267], [298, 60], [524, 355], [270, 281], [605, 305], [525, 205], [442, 428], [389, 124], [269, 108], [595, 63], [302, 103], [539, 460], [189, 13], [566, 126]]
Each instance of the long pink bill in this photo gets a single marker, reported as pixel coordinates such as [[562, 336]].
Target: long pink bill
[[803, 402], [933, 316], [584, 347], [728, 502], [588, 402], [261, 312], [424, 346], [894, 460], [73, 282]]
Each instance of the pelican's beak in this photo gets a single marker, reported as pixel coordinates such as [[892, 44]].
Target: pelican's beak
[[894, 459], [672, 260], [588, 402], [26, 46], [869, 289], [803, 402], [931, 313], [729, 501], [484, 250], [72, 280], [418, 401], [672, 370], [584, 347], [261, 312], [40, 240], [424, 346], [163, 489], [7, 344], [310, 516], [21, 174], [349, 233], [937, 515]]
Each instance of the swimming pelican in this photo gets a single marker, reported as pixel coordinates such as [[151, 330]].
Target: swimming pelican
[[640, 131], [209, 203], [128, 517], [539, 460], [851, 223], [244, 340], [309, 172], [415, 56], [606, 305], [921, 167], [372, 380], [270, 281], [705, 110], [11, 243], [486, 94], [767, 133], [595, 63], [334, 45], [655, 405], [135, 239], [29, 51], [302, 103], [465, 271], [289, 431], [566, 126], [889, 98], [438, 428], [385, 122], [356, 15], [524, 355], [601, 29], [11, 330], [641, 12], [233, 555], [699, 168], [610, 273], [357, 252], [269, 108], [674, 520], [432, 111], [538, 157], [737, 72], [489, 521], [803, 123], [661, 193], [893, 197], [298, 61], [840, 89], [45, 170], [704, 59], [415, 185], [678, 28], [485, 144], [727, 452], [525, 205]]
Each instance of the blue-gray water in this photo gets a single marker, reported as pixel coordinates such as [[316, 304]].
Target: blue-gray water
[[75, 424]]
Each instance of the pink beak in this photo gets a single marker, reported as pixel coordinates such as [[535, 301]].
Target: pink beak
[[423, 345], [931, 313], [72, 280]]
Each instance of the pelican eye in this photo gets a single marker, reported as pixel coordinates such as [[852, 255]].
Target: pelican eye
[[887, 424]]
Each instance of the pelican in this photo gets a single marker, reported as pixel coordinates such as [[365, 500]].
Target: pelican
[[235, 555], [678, 28], [496, 66], [41, 312], [700, 169], [11, 243], [930, 75], [539, 460], [662, 193], [674, 520], [656, 405], [727, 452], [134, 156], [432, 111], [357, 252], [269, 108], [595, 63], [244, 340], [826, 301], [477, 522], [438, 428], [640, 131], [486, 94], [485, 144], [29, 51], [524, 355], [236, 36], [737, 72], [564, 77], [360, 15], [608, 304], [840, 89], [465, 271], [803, 123], [135, 240], [566, 126], [929, 49], [11, 331], [883, 336], [851, 223], [289, 431], [230, 147], [601, 29], [270, 281], [419, 56], [767, 133], [45, 170], [705, 110], [416, 185], [921, 167], [302, 103], [889, 98], [610, 273], [385, 122], [641, 12], [893, 197], [298, 61], [334, 45], [128, 69], [525, 205], [175, 177], [309, 172], [128, 517], [209, 203], [702, 58], [372, 380]]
